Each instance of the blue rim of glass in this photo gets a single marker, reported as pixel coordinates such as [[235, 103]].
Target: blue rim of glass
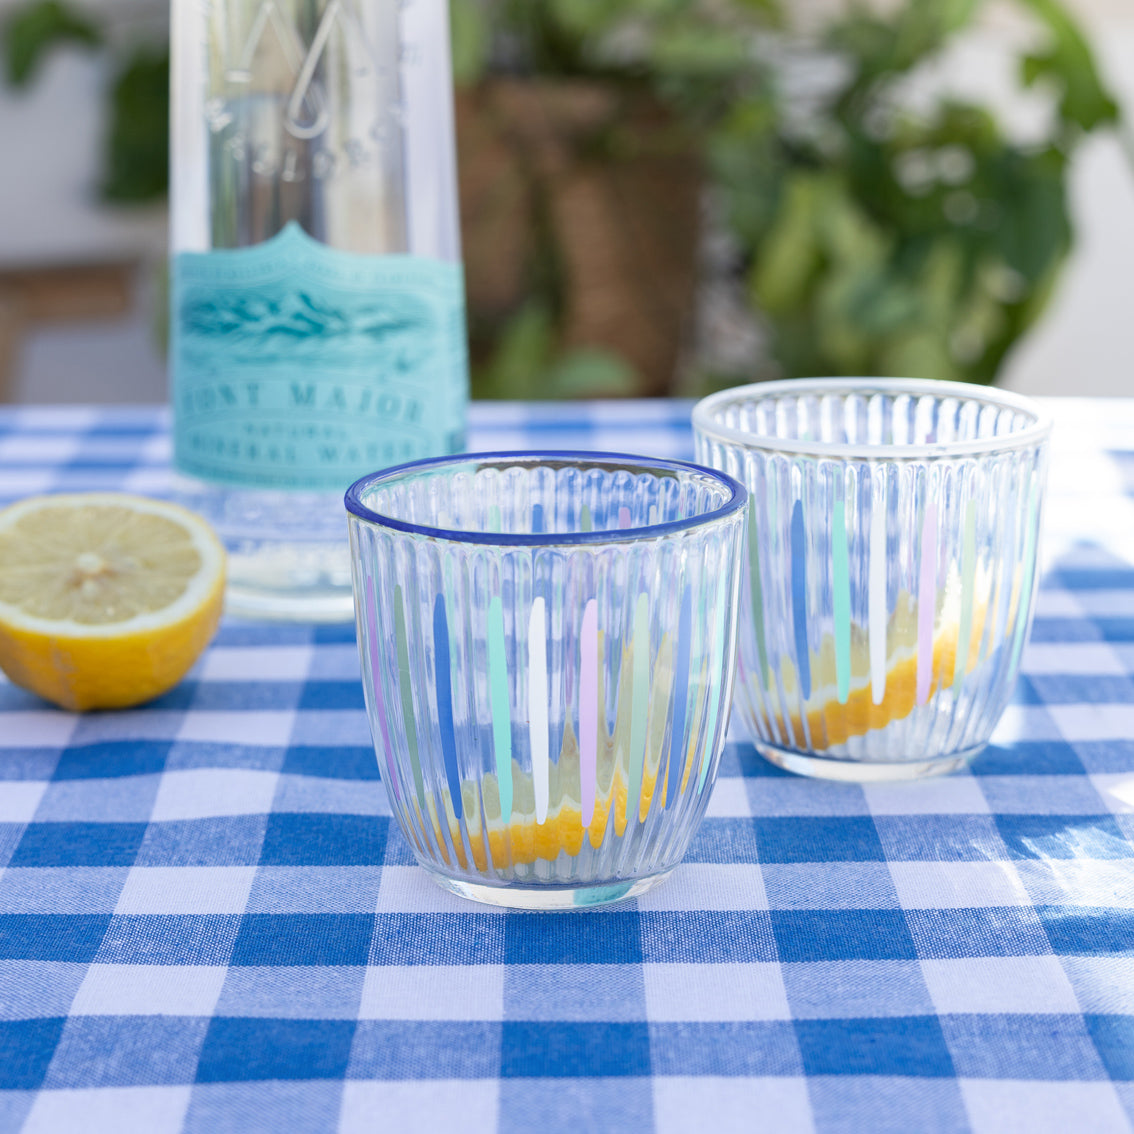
[[630, 462]]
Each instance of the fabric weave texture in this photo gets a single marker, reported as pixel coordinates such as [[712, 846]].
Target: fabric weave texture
[[209, 921]]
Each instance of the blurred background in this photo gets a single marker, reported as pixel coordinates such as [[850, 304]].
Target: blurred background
[[657, 196]]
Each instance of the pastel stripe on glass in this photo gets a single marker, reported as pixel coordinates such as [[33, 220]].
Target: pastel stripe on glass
[[640, 703], [623, 517], [968, 582], [537, 704], [588, 709], [756, 591], [443, 681], [926, 602], [501, 712], [405, 688], [841, 584], [799, 596], [716, 671], [878, 615], [680, 698]]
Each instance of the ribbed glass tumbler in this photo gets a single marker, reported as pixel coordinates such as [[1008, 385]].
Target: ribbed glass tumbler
[[890, 566], [547, 645]]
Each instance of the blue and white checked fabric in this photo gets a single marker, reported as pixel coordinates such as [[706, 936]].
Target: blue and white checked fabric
[[209, 923]]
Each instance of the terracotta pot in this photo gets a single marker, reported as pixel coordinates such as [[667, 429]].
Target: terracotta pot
[[601, 180]]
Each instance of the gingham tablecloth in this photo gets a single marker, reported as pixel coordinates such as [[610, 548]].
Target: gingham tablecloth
[[209, 923]]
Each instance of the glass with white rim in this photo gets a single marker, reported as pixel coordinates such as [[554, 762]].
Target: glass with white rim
[[889, 570], [548, 644]]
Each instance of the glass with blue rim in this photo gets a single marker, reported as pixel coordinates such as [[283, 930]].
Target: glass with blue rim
[[547, 643]]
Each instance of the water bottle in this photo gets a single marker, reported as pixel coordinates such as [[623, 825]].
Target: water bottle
[[317, 303]]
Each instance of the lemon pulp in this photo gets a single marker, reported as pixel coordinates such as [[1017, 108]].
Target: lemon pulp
[[827, 722], [519, 839], [106, 599]]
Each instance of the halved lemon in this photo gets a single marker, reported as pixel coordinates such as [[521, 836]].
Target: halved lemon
[[106, 599]]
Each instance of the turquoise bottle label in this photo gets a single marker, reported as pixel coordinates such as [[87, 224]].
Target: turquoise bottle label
[[297, 366]]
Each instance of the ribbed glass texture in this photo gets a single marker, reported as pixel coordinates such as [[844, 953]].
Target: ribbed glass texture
[[547, 646], [890, 566]]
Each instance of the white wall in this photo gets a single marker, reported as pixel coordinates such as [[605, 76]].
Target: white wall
[[51, 144], [1085, 342]]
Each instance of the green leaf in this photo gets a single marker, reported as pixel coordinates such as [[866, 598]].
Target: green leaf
[[1034, 229], [589, 373], [35, 29], [859, 307], [845, 342], [1069, 64], [978, 323], [524, 365], [958, 14], [696, 49], [939, 284], [847, 231], [878, 45], [469, 33], [582, 17], [769, 12], [920, 29], [137, 161], [789, 257], [748, 167], [522, 356], [921, 354]]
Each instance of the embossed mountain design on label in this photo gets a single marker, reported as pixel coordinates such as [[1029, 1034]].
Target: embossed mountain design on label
[[299, 366], [280, 321]]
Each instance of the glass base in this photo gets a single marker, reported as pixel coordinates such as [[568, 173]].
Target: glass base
[[550, 898], [290, 583], [271, 606], [864, 771], [288, 552]]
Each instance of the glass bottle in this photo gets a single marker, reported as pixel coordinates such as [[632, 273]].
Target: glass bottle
[[317, 304]]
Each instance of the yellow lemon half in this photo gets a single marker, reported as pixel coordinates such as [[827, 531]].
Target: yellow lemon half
[[106, 600]]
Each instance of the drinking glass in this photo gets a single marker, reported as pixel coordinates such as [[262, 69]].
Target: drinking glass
[[890, 566], [547, 645]]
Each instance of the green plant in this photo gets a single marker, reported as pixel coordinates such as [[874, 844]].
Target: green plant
[[875, 237], [527, 364], [31, 32], [884, 241], [645, 54], [137, 145], [663, 42]]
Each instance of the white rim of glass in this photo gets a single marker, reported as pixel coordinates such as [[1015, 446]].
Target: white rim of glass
[[706, 410]]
